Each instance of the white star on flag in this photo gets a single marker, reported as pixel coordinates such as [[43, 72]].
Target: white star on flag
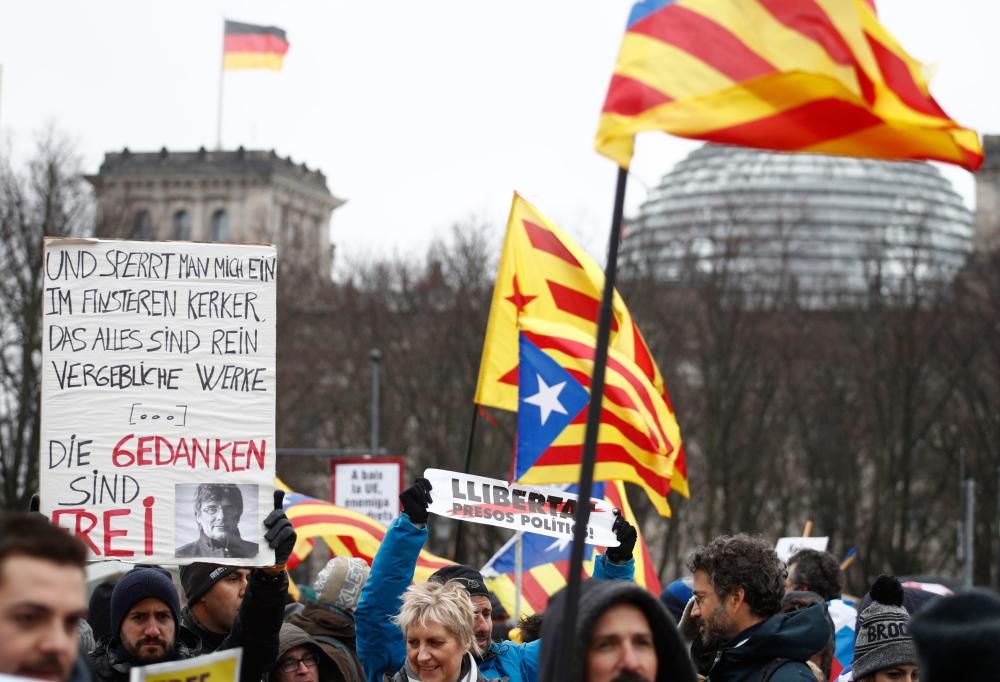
[[547, 398]]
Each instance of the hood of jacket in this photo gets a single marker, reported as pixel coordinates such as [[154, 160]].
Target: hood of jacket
[[795, 636], [596, 597], [332, 621]]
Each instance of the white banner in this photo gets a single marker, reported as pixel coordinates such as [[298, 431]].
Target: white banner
[[158, 398], [220, 666], [368, 486], [787, 547], [519, 507]]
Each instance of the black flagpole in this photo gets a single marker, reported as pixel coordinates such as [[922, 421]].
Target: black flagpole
[[567, 654], [468, 465]]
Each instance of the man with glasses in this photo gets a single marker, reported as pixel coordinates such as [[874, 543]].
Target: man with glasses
[[300, 658], [217, 509]]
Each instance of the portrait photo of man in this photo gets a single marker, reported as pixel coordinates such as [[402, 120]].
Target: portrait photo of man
[[218, 515]]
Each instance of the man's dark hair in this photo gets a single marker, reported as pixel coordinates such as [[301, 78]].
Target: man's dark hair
[[817, 572], [531, 627], [219, 492], [743, 561], [32, 535]]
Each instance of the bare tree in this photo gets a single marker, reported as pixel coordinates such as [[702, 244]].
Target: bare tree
[[46, 198]]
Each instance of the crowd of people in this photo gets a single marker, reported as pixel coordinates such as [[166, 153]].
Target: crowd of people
[[741, 615]]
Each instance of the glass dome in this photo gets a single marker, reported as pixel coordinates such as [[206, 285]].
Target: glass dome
[[820, 226]]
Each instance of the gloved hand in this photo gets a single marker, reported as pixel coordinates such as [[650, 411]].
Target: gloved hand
[[688, 625], [627, 535], [35, 504], [415, 500], [280, 533]]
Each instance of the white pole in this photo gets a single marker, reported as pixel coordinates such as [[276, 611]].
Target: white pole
[[518, 573], [222, 80]]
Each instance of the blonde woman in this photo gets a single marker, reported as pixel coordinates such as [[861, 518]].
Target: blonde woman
[[438, 621]]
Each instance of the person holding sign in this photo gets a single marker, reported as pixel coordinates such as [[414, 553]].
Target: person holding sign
[[437, 622], [146, 615], [381, 647]]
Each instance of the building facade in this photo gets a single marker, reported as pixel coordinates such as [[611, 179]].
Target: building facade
[[245, 196], [826, 228], [988, 197]]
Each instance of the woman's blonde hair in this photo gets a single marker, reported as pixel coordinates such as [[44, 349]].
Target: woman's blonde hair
[[446, 604]]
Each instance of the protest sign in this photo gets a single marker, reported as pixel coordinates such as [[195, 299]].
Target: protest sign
[[519, 507], [787, 547], [368, 485], [220, 666], [158, 398]]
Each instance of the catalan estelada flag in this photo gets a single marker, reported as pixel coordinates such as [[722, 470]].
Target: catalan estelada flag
[[248, 46], [637, 432], [792, 75], [545, 562], [345, 532], [544, 275]]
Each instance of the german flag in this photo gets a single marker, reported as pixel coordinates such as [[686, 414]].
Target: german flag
[[248, 46]]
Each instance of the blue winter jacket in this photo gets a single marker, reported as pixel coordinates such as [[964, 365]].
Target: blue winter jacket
[[380, 643]]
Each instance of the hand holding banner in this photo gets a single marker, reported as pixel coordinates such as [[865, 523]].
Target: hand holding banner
[[518, 507]]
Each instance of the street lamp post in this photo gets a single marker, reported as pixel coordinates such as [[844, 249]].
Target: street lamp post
[[375, 355]]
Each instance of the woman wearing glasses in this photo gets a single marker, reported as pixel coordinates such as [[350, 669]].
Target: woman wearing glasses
[[299, 658], [438, 621]]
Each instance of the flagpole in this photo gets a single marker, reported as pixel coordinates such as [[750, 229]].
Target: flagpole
[[468, 465], [518, 574], [566, 654], [222, 80]]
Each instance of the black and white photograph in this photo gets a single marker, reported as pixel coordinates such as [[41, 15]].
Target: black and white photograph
[[216, 520]]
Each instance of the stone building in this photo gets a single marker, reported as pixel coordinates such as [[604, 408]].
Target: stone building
[[988, 197], [234, 196]]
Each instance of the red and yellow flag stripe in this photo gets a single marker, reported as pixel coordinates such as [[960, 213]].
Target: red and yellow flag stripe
[[809, 75]]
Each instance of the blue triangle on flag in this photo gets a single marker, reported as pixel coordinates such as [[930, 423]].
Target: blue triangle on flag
[[549, 398]]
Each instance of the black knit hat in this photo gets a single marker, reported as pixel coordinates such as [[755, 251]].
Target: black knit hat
[[198, 578], [958, 638], [883, 632], [470, 578], [141, 583]]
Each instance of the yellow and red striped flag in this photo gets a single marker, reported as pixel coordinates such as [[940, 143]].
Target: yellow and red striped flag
[[637, 432], [249, 46], [544, 575], [544, 275], [345, 532], [818, 76]]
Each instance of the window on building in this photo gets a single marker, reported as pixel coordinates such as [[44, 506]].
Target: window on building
[[142, 225], [220, 226], [182, 225]]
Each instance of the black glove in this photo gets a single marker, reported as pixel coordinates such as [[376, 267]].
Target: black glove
[[280, 533], [626, 534], [415, 500], [35, 504]]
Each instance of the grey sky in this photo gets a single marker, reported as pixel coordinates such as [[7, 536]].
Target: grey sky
[[420, 114]]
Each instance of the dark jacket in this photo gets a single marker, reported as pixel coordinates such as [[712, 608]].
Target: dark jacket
[[333, 630], [235, 547], [795, 636], [596, 597], [256, 630], [256, 627], [110, 662]]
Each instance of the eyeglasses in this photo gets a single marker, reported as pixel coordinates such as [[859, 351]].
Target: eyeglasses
[[290, 665], [213, 509]]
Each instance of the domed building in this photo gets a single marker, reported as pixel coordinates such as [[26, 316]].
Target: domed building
[[826, 228]]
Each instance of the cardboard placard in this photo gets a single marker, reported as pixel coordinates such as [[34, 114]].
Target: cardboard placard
[[787, 547], [158, 398], [220, 666], [518, 507], [369, 485]]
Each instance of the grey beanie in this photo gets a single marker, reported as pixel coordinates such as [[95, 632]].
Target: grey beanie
[[883, 631]]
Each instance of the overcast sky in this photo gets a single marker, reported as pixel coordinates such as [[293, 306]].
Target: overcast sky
[[419, 114]]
